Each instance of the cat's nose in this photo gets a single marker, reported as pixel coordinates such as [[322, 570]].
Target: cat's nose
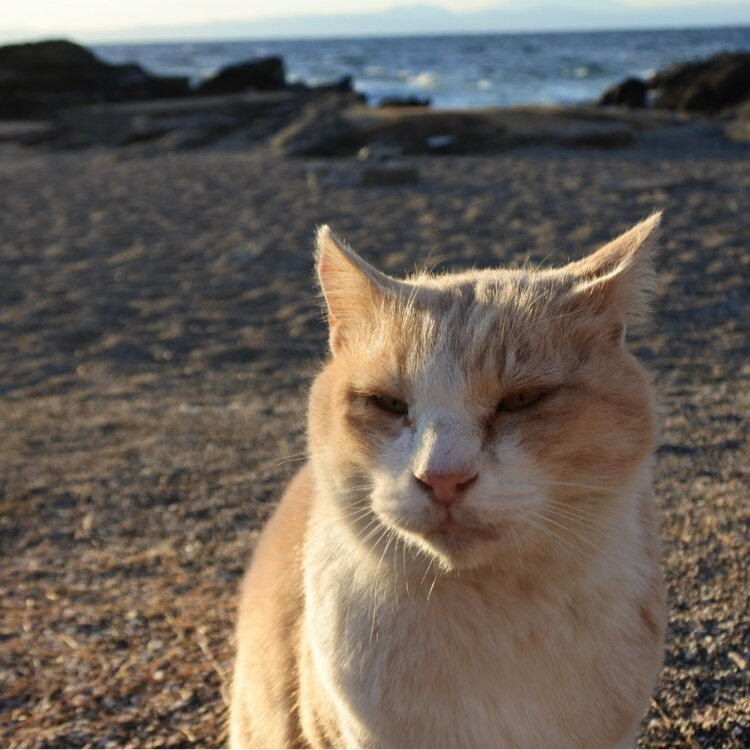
[[445, 488]]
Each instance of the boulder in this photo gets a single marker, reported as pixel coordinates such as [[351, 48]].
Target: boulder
[[320, 130], [406, 101], [40, 79], [265, 74], [202, 118], [415, 131], [629, 93], [709, 86], [344, 84], [41, 56]]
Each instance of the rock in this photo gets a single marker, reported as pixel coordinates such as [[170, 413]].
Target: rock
[[738, 127], [441, 144], [629, 93], [184, 133], [189, 121], [43, 55], [582, 134], [379, 152], [709, 86], [38, 80], [431, 132], [406, 101], [28, 132], [265, 74], [320, 130], [343, 84]]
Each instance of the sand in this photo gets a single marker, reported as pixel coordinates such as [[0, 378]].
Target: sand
[[159, 328]]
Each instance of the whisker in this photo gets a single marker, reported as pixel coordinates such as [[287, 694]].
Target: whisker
[[579, 512], [345, 520], [583, 522], [549, 532], [577, 485], [378, 527], [388, 535], [290, 459], [432, 586], [606, 555]]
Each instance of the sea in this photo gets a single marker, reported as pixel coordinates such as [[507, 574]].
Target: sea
[[467, 71]]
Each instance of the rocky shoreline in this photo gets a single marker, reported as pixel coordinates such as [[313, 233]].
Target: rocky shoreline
[[59, 95]]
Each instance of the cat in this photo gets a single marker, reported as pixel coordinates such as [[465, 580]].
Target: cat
[[470, 556]]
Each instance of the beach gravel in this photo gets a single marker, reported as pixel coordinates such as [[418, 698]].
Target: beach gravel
[[159, 328]]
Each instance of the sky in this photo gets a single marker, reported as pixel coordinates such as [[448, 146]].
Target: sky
[[84, 17]]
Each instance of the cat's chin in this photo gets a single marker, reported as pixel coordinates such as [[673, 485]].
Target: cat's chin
[[464, 549], [457, 546]]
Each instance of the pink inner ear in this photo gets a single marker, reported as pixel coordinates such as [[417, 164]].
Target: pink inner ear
[[325, 270]]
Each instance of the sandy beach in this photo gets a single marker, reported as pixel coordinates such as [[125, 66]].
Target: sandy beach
[[160, 327]]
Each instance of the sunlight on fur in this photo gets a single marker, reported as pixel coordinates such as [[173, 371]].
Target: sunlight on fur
[[470, 556]]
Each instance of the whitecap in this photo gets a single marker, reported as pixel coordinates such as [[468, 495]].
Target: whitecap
[[426, 80]]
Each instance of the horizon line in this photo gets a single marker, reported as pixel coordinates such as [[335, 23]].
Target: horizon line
[[107, 38]]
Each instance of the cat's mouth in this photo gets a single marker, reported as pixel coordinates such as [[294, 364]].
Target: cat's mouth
[[450, 528]]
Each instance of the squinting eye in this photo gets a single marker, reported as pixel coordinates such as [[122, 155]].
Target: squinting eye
[[390, 404], [519, 400]]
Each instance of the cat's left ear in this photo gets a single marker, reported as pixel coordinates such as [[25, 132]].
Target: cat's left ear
[[618, 280]]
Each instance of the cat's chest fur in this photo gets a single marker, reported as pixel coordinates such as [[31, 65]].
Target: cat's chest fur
[[473, 661]]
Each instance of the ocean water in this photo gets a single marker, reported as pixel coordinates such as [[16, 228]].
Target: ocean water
[[454, 71]]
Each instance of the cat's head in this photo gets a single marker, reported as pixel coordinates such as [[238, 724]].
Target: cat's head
[[477, 413]]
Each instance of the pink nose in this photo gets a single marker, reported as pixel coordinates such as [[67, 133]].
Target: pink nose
[[445, 488]]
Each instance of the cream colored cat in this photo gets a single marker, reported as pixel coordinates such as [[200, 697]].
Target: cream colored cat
[[470, 557]]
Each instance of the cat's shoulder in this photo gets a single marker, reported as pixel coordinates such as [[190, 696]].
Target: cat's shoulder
[[277, 556]]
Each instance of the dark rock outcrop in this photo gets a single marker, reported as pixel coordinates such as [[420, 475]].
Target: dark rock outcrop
[[265, 74], [38, 80], [709, 86], [712, 85], [39, 57], [630, 93], [406, 101], [425, 132], [343, 85], [190, 120], [321, 130]]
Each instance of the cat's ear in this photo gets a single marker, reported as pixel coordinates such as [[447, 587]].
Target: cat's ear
[[617, 281], [353, 289]]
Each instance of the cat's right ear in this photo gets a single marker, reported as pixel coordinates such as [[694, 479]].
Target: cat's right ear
[[353, 289]]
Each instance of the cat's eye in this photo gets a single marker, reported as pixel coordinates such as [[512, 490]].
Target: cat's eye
[[519, 400], [390, 404]]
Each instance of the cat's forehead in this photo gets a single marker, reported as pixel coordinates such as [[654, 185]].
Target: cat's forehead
[[506, 290], [477, 301], [477, 323]]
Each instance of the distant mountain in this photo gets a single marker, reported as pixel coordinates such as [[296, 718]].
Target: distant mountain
[[567, 15]]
